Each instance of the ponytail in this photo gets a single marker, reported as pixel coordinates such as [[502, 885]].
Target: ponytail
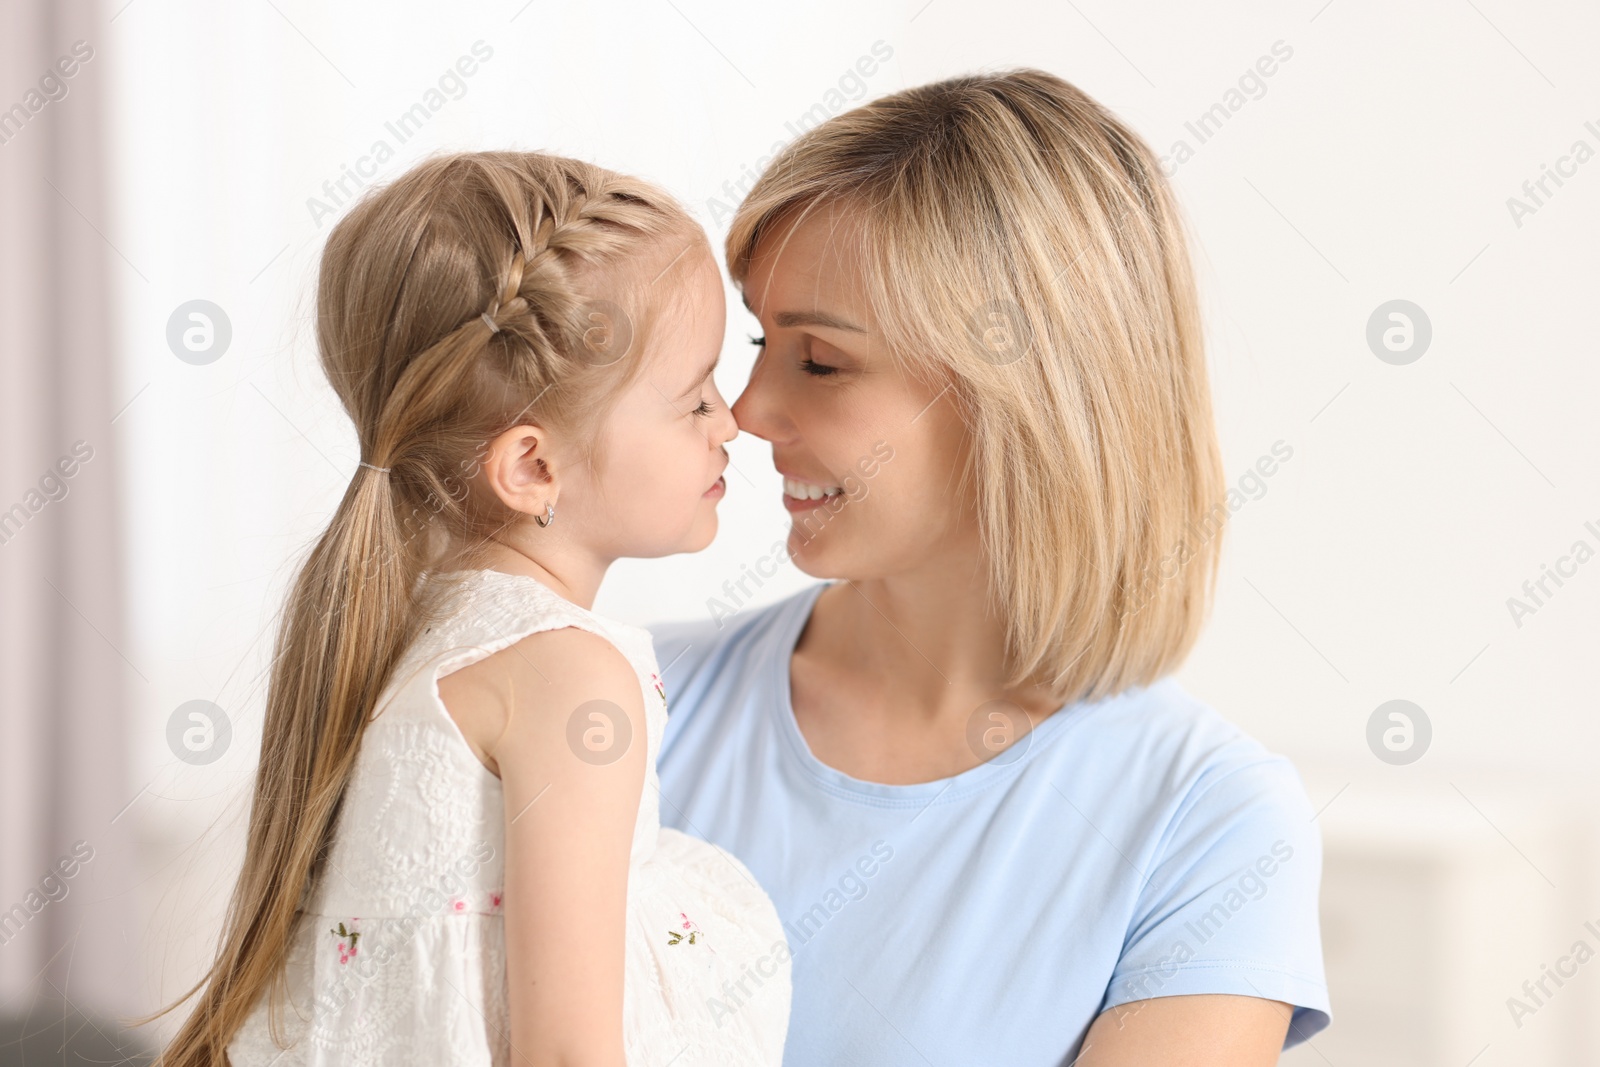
[[348, 619]]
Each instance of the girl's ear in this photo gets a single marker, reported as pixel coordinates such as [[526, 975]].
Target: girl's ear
[[520, 469]]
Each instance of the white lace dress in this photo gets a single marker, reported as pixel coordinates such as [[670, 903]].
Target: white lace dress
[[400, 954]]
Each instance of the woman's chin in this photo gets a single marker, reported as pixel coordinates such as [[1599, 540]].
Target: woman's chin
[[816, 558]]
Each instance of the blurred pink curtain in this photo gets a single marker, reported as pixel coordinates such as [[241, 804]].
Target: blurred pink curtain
[[65, 680]]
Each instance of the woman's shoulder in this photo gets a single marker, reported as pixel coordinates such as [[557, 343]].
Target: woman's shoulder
[[730, 639], [1202, 773], [1228, 855], [1164, 726], [724, 622]]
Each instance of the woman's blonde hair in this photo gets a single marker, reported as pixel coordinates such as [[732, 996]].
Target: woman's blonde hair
[[1021, 244], [475, 292]]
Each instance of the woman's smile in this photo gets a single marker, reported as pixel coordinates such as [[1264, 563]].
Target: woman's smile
[[800, 495]]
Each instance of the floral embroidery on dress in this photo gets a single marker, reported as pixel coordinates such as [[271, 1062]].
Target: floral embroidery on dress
[[661, 690], [676, 936], [347, 940]]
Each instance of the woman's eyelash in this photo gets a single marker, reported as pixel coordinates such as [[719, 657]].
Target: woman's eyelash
[[819, 370]]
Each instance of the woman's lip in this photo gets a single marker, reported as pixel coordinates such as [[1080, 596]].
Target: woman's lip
[[800, 478]]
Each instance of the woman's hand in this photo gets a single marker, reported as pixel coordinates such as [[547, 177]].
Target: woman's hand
[[1212, 1030]]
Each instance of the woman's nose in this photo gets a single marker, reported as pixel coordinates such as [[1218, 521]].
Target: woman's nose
[[751, 410]]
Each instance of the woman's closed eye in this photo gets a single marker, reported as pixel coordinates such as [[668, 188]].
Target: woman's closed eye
[[809, 365]]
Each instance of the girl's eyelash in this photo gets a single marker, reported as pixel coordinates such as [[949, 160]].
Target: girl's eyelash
[[705, 408]]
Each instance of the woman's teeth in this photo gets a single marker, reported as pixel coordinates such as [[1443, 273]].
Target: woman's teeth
[[808, 491]]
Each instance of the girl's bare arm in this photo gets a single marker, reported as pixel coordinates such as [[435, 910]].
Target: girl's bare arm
[[572, 795]]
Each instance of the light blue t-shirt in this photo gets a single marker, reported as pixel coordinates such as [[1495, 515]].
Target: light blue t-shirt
[[1134, 847]]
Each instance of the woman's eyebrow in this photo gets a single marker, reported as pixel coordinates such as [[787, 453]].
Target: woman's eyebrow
[[807, 318], [815, 318]]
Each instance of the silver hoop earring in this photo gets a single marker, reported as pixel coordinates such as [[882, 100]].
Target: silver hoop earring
[[549, 515]]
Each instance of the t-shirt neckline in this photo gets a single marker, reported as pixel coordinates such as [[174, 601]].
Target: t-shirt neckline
[[885, 794]]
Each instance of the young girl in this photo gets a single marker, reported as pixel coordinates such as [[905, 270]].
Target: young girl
[[454, 853]]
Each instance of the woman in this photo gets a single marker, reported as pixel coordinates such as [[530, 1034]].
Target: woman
[[995, 831]]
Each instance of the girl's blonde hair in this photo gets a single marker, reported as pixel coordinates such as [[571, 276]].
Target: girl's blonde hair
[[476, 292], [1021, 244]]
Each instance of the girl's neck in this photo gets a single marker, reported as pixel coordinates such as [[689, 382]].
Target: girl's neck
[[574, 578]]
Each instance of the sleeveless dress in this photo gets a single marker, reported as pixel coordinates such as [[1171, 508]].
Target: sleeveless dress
[[399, 955]]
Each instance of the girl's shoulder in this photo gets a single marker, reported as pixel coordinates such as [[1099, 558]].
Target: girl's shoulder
[[479, 612], [566, 683], [490, 634]]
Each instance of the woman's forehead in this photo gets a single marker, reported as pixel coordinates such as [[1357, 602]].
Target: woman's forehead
[[809, 264]]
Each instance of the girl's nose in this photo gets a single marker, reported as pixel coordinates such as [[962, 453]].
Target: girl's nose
[[727, 426]]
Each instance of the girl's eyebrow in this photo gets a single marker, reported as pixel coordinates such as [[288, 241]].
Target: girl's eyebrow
[[703, 374]]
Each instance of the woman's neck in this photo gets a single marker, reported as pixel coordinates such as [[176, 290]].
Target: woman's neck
[[934, 636]]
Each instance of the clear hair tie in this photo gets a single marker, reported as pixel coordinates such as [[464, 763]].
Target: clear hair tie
[[370, 467], [494, 327]]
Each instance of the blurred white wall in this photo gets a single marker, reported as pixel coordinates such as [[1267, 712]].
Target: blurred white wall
[[1374, 164]]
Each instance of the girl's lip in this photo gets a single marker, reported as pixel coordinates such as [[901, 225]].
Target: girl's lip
[[717, 488]]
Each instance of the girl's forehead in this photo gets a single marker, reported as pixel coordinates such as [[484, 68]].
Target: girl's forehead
[[689, 323]]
